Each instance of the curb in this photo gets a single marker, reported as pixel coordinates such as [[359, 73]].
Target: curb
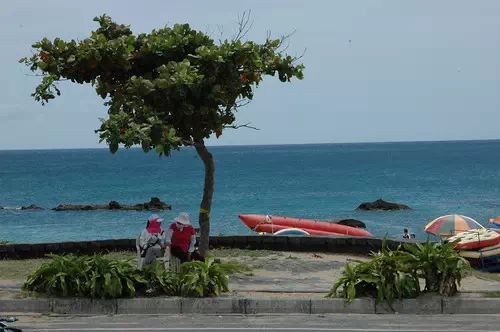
[[229, 305]]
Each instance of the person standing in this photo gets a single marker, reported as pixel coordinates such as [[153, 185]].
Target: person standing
[[180, 238]]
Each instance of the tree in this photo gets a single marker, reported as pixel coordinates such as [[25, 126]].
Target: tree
[[166, 89]]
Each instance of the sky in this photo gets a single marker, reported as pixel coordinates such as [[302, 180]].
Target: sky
[[376, 71]]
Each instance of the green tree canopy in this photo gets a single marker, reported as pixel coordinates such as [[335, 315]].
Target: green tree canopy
[[171, 87]]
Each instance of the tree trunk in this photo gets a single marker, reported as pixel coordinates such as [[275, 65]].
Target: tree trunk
[[208, 191], [448, 285], [431, 281]]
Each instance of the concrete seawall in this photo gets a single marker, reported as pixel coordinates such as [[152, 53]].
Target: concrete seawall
[[341, 244]]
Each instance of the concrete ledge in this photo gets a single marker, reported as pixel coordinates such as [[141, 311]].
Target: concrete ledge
[[424, 305], [471, 305], [42, 306], [77, 306], [149, 306], [257, 306], [229, 305], [217, 305], [357, 306]]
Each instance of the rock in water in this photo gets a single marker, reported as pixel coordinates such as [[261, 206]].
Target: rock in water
[[380, 204], [31, 207], [352, 223], [114, 205], [76, 207], [154, 204]]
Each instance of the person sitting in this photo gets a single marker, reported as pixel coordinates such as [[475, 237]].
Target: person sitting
[[180, 239], [150, 240], [406, 236]]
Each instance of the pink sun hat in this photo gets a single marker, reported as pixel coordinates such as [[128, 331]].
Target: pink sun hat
[[154, 224]]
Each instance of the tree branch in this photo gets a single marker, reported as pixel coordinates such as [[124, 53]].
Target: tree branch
[[246, 125], [244, 25], [187, 142]]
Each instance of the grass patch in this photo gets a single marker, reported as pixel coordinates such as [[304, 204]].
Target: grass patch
[[230, 252], [19, 269]]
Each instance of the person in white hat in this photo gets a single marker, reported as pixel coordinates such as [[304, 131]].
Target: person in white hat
[[180, 238], [151, 239]]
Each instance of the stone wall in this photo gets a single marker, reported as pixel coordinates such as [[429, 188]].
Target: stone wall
[[341, 244]]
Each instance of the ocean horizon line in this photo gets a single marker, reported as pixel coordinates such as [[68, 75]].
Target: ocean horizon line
[[267, 145]]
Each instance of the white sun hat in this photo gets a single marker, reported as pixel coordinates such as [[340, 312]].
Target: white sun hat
[[183, 219], [155, 217]]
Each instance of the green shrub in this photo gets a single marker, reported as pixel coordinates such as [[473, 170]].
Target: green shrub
[[381, 277], [4, 242], [103, 277], [161, 280], [204, 278], [86, 276], [395, 274], [438, 264], [111, 278], [62, 276]]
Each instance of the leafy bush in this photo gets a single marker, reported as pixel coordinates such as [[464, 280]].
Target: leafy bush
[[380, 277], [62, 276], [103, 277], [394, 274], [204, 278], [111, 278], [87, 276], [4, 242], [438, 263], [161, 280]]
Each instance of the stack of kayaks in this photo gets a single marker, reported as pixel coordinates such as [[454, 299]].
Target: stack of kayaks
[[480, 247], [274, 224]]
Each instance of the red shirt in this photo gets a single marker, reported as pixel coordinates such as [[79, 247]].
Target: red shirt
[[181, 239]]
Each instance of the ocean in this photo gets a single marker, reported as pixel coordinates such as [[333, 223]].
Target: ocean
[[322, 181]]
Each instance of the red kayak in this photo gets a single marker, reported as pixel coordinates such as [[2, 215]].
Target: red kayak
[[272, 224]]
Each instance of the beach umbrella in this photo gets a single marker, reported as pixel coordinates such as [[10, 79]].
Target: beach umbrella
[[451, 224]]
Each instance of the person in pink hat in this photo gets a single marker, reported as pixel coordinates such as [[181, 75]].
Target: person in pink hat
[[180, 238], [151, 239]]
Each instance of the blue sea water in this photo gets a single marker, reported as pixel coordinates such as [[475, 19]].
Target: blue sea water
[[324, 181]]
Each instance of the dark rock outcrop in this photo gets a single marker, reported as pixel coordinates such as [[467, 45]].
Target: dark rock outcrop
[[154, 204], [77, 207], [114, 205], [31, 207], [351, 222], [380, 204]]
